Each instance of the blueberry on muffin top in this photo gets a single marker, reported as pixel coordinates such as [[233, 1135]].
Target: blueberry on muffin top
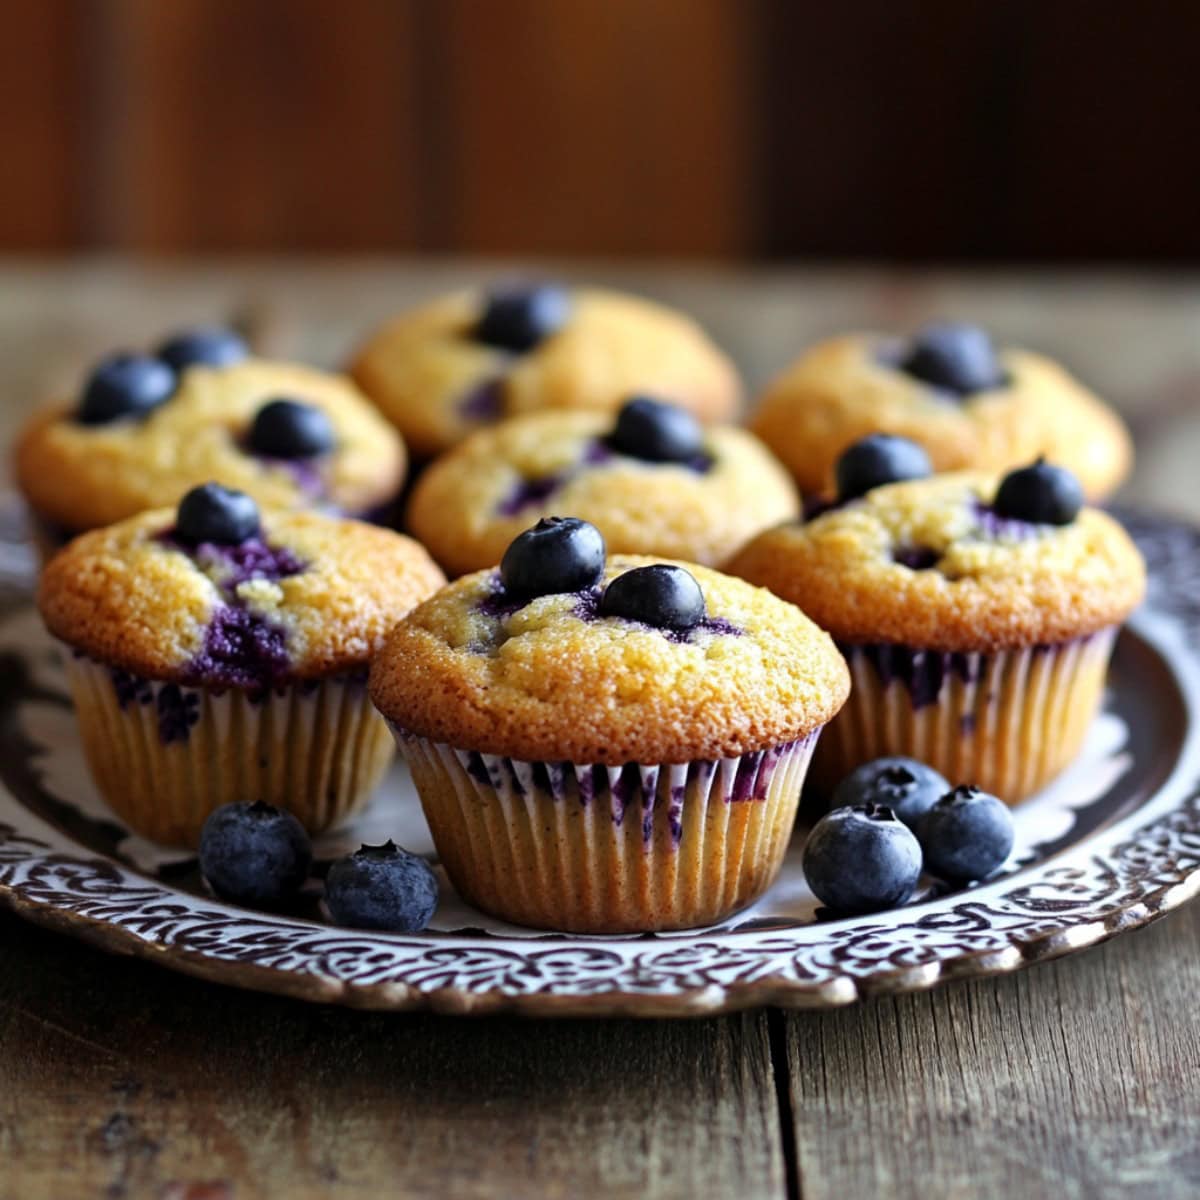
[[651, 662], [218, 594], [653, 481], [939, 563], [144, 431]]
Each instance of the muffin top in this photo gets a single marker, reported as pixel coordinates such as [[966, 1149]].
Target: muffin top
[[718, 488], [441, 370], [555, 679], [305, 597], [930, 564], [82, 474], [1016, 406]]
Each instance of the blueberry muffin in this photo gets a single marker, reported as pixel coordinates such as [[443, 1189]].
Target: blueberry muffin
[[977, 617], [653, 482], [441, 371], [218, 654], [971, 406], [607, 745], [147, 428]]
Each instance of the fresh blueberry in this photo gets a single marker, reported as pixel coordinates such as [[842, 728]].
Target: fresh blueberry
[[382, 887], [663, 596], [126, 385], [559, 554], [289, 429], [878, 459], [966, 835], [211, 347], [861, 859], [254, 854], [517, 319], [908, 787], [1041, 493], [657, 432], [212, 513], [959, 358]]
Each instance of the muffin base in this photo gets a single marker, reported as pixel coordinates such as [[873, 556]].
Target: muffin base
[[1007, 722], [165, 756], [598, 849]]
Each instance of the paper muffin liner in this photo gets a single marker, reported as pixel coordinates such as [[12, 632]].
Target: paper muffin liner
[[1008, 721], [598, 849], [165, 756]]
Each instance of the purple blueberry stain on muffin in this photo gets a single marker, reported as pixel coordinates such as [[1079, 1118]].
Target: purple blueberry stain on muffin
[[248, 560], [529, 493], [241, 649], [178, 710], [922, 672], [916, 558], [221, 532], [994, 527], [483, 402], [130, 689]]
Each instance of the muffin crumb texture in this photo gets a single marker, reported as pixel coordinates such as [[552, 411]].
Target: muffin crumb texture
[[551, 680], [849, 387], [85, 476], [319, 592], [437, 383], [929, 564]]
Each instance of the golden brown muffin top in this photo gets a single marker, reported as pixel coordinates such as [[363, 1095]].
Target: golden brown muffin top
[[310, 597], [928, 564], [552, 681], [85, 476], [848, 387], [437, 384], [474, 500]]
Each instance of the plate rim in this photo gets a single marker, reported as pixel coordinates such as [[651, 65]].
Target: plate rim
[[1171, 879]]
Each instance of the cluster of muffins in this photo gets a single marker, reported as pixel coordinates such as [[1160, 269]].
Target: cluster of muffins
[[610, 711]]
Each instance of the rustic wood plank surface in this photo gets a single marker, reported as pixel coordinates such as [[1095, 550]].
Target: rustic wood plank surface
[[120, 1080], [1075, 1079]]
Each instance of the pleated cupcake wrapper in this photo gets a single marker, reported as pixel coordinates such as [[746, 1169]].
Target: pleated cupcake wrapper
[[164, 756], [593, 848], [1007, 722]]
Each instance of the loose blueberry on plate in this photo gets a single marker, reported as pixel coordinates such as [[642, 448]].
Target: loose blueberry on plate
[[861, 859], [212, 513], [956, 357], [254, 854], [382, 887], [559, 554], [1041, 493], [879, 459], [657, 432], [517, 319], [966, 835], [211, 347], [663, 596], [908, 787], [126, 385], [286, 428]]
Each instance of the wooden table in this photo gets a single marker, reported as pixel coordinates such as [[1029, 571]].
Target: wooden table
[[1079, 1078]]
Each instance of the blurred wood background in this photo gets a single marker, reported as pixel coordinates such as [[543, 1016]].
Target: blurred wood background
[[952, 129]]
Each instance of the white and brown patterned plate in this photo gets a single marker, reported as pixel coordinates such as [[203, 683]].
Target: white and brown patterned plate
[[1112, 844]]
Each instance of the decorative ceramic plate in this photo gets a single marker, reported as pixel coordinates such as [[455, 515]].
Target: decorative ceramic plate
[[1112, 844]]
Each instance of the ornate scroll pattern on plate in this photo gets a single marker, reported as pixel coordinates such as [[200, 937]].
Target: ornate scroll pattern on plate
[[1036, 914]]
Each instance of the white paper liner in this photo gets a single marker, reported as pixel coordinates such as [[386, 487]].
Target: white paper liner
[[609, 849], [315, 748], [1007, 722]]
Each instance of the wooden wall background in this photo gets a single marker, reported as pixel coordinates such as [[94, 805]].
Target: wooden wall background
[[728, 128]]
